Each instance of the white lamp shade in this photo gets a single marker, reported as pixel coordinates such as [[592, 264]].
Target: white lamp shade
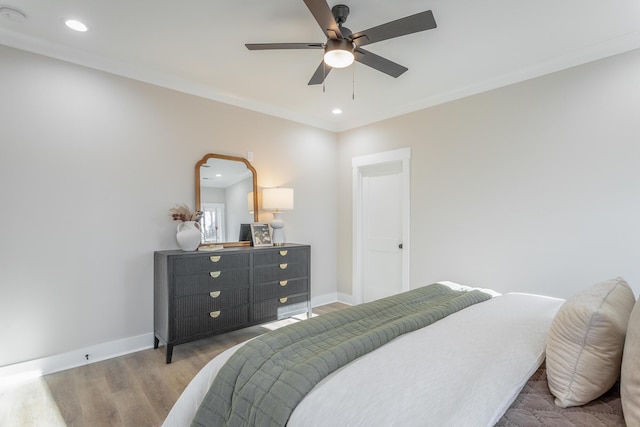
[[277, 199]]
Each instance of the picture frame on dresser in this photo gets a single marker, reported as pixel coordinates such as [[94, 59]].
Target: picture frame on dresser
[[260, 235]]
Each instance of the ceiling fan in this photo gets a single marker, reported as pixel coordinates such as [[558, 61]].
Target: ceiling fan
[[343, 47]]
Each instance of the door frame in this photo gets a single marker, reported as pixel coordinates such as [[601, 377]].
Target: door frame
[[402, 155]]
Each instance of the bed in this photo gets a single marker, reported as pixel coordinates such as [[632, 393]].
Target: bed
[[479, 366]]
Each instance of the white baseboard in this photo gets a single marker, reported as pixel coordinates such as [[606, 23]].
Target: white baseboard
[[345, 299], [324, 299], [330, 298], [75, 358]]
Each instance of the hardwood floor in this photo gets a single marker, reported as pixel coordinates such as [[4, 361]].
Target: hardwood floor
[[137, 389]]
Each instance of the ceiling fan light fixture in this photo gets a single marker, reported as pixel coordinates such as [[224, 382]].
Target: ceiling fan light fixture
[[338, 53]]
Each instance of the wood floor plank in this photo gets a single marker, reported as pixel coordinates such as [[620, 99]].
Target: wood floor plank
[[27, 405], [62, 387]]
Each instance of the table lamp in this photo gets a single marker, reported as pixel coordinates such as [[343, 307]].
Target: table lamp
[[277, 199]]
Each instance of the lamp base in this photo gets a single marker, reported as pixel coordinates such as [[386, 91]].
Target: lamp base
[[277, 236]]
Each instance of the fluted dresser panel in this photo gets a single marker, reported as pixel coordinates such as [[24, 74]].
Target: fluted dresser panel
[[198, 294], [280, 283]]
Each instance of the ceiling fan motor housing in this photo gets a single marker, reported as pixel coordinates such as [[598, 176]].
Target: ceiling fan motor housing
[[340, 44], [340, 13]]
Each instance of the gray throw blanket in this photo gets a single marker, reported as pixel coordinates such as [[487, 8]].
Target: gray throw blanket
[[263, 382]]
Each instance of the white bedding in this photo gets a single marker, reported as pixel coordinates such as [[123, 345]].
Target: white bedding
[[464, 370]]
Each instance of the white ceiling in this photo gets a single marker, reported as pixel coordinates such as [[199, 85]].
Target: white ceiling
[[197, 47]]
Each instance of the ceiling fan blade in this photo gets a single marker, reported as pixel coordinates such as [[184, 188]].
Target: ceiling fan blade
[[322, 13], [269, 46], [379, 63], [400, 27], [321, 73]]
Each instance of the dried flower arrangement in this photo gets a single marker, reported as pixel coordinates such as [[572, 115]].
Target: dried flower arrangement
[[183, 213]]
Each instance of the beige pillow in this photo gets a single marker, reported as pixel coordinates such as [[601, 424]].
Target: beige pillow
[[630, 377], [585, 342]]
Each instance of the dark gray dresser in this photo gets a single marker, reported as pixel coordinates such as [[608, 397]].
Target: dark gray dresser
[[198, 294]]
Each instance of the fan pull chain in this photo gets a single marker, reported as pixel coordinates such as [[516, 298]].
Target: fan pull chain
[[353, 83], [324, 75]]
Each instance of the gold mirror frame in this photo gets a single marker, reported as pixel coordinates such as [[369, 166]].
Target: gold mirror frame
[[255, 189]]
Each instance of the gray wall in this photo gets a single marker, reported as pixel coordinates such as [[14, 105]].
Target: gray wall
[[532, 187], [90, 164]]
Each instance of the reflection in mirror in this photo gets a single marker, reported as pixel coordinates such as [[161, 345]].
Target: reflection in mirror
[[226, 194]]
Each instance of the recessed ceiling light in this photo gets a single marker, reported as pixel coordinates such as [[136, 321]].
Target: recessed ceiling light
[[336, 111], [76, 25]]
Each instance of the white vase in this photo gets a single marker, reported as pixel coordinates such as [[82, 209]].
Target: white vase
[[188, 235]]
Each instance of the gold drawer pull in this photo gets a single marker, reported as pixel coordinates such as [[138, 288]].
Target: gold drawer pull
[[283, 282], [214, 294], [215, 258], [283, 253], [214, 314], [214, 274], [283, 300], [283, 266]]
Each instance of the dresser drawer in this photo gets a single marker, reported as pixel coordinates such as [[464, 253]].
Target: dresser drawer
[[207, 281], [277, 272], [279, 308], [210, 262], [205, 323], [280, 289], [213, 301], [297, 255]]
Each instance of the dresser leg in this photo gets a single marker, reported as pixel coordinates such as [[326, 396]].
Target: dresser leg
[[169, 352], [156, 342]]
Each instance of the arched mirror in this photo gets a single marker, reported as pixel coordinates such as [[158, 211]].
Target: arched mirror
[[226, 193]]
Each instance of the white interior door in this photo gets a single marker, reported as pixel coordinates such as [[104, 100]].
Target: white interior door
[[381, 195], [382, 227]]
